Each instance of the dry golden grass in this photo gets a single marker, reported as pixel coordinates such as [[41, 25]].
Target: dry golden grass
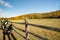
[[51, 35]]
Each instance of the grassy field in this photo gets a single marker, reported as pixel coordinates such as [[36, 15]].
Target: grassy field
[[51, 35]]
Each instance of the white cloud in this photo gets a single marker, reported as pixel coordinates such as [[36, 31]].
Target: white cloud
[[2, 13], [5, 4]]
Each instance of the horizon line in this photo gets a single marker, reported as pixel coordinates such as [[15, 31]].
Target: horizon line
[[29, 13]]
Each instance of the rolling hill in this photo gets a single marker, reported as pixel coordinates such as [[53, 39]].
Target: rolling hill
[[55, 14]]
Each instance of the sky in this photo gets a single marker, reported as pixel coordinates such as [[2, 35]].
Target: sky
[[10, 8]]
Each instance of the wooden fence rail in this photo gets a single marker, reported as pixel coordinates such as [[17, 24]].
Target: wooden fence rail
[[40, 26], [43, 38]]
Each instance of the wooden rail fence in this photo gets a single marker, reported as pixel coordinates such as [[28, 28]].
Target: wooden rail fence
[[35, 25]]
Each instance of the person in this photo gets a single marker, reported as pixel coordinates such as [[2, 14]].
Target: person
[[4, 23], [9, 29]]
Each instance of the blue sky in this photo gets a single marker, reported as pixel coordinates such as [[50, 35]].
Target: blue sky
[[10, 8]]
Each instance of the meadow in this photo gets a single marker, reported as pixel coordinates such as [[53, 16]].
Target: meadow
[[51, 35]]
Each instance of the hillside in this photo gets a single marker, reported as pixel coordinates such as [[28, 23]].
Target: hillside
[[55, 14]]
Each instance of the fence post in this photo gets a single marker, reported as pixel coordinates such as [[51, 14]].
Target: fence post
[[26, 29]]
